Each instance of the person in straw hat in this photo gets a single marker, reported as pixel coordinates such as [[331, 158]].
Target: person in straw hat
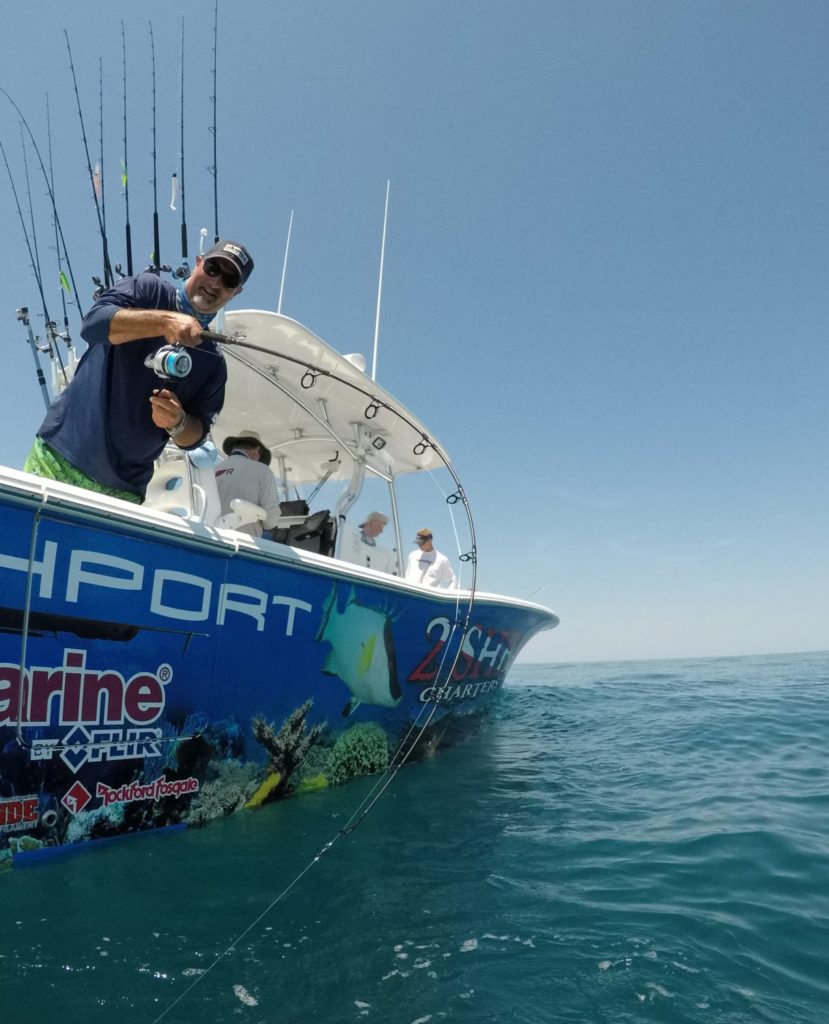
[[245, 474]]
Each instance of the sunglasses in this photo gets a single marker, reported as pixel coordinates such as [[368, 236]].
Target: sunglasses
[[214, 269], [421, 540]]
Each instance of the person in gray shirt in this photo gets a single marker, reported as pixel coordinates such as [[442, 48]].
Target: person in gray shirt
[[245, 474]]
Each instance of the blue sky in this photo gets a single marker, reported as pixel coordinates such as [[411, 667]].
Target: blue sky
[[606, 267]]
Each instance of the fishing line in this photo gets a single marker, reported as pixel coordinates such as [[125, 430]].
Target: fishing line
[[417, 728]]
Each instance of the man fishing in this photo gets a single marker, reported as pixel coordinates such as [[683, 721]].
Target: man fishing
[[105, 431]]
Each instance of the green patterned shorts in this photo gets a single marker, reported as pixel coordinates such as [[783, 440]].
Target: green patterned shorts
[[44, 461]]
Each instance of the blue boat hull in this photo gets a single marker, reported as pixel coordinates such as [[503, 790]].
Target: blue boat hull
[[154, 676]]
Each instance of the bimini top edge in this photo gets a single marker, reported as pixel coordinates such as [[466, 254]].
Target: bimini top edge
[[312, 406]]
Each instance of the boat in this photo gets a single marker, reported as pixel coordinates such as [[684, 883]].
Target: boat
[[161, 667]]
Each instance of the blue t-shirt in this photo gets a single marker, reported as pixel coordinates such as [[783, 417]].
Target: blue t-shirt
[[102, 423]]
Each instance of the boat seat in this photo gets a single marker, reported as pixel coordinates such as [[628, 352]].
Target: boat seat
[[317, 533], [206, 493], [184, 484], [242, 513]]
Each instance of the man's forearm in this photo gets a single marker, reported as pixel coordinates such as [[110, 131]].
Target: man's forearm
[[133, 324]]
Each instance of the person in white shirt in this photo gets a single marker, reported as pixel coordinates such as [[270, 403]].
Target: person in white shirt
[[360, 546], [427, 565], [245, 474]]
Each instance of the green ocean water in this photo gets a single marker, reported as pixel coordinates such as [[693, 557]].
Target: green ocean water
[[623, 842]]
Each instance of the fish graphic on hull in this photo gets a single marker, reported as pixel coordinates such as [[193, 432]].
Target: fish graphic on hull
[[362, 652]]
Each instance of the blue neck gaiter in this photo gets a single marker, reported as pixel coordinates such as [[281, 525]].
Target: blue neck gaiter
[[186, 306]]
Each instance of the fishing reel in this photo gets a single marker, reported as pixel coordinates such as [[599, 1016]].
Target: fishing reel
[[170, 362]]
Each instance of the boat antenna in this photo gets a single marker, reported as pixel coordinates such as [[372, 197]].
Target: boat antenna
[[101, 225], [125, 184], [51, 192], [285, 262], [380, 284], [214, 168], [183, 269]]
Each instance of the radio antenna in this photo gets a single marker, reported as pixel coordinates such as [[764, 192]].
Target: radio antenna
[[285, 262], [380, 284]]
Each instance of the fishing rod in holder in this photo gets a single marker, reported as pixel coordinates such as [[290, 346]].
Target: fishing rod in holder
[[51, 192], [183, 269], [125, 182], [156, 266], [23, 317], [107, 277]]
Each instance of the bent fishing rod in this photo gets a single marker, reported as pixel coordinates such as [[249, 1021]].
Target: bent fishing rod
[[418, 726]]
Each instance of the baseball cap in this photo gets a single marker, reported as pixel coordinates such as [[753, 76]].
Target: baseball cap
[[234, 254]]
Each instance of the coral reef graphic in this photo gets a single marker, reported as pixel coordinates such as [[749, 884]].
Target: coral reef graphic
[[361, 750], [287, 748], [229, 786]]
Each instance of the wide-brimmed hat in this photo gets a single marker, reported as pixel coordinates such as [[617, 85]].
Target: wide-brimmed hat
[[246, 437], [377, 517]]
